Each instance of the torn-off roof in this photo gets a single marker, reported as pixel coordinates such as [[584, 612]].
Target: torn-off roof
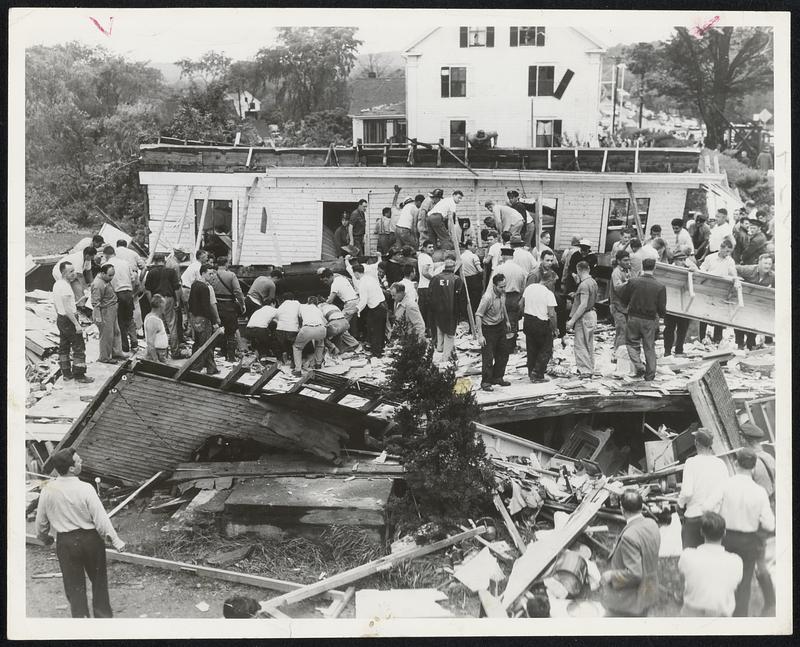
[[378, 97]]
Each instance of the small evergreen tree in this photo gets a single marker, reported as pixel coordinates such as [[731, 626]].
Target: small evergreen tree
[[448, 472]]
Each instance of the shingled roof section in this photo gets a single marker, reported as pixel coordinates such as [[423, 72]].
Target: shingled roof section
[[378, 97]]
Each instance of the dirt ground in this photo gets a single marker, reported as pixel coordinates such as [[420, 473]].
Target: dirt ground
[[40, 242]]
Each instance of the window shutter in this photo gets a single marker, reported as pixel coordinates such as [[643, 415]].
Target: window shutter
[[514, 37], [445, 82], [490, 37], [532, 81], [464, 37], [562, 87]]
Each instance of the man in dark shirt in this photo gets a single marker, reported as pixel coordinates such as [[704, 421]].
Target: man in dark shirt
[[205, 318], [359, 221], [262, 290], [341, 238], [584, 254], [700, 236], [230, 303], [760, 274], [756, 244], [163, 280], [646, 300]]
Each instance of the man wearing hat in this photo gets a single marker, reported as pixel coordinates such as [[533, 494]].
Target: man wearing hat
[[584, 254], [516, 278], [703, 478], [506, 218], [522, 257], [747, 513], [422, 215]]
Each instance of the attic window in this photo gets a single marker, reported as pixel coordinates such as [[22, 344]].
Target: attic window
[[476, 37], [527, 37]]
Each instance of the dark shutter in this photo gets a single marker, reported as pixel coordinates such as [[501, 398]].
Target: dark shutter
[[490, 37], [564, 83], [514, 37], [547, 80], [445, 82], [464, 37], [532, 81]]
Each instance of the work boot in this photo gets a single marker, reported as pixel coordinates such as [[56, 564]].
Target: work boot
[[486, 386], [502, 382], [84, 379], [67, 377]]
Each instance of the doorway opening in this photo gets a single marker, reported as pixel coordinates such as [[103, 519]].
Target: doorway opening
[[331, 219]]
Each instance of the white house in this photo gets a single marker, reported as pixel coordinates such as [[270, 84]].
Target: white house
[[378, 109], [534, 85], [244, 103]]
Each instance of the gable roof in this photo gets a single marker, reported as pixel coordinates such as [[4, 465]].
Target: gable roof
[[581, 32], [377, 97]]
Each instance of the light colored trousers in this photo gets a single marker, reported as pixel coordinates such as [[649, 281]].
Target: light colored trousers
[[584, 342], [315, 334]]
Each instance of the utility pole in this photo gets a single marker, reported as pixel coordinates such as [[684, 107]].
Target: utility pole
[[614, 97], [641, 98]]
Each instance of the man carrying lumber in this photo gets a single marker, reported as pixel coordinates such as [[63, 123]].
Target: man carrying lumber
[[73, 510], [630, 586]]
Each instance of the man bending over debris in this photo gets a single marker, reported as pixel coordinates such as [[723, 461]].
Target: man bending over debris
[[630, 586], [70, 333], [73, 509]]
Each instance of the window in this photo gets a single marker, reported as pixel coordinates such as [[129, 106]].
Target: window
[[374, 131], [400, 131], [454, 82], [476, 37], [541, 80], [527, 37], [219, 213], [549, 214], [548, 133], [619, 218], [458, 134]]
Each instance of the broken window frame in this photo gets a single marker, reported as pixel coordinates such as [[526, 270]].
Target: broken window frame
[[550, 139], [533, 37], [625, 220], [212, 218], [450, 87]]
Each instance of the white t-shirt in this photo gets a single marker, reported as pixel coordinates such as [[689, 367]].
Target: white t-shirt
[[288, 316], [63, 297], [407, 215], [311, 315], [262, 317], [190, 274], [424, 261], [77, 262], [343, 289], [494, 253], [537, 298], [718, 266], [710, 577]]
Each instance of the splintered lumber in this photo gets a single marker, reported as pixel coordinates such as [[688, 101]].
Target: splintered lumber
[[492, 606], [135, 493], [337, 606], [709, 298], [512, 528], [540, 554], [187, 365], [715, 408], [500, 443], [370, 568]]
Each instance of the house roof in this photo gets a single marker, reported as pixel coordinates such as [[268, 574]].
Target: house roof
[[381, 97], [581, 32]]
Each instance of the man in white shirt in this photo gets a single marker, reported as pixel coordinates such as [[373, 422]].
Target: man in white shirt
[[506, 218], [442, 220], [261, 329], [127, 254], [342, 289], [406, 227], [125, 282], [70, 333], [746, 510], [527, 260], [312, 330], [82, 262], [721, 264], [192, 273], [624, 243], [682, 237], [473, 273], [426, 270], [539, 326], [640, 252], [288, 323], [516, 278], [492, 257], [372, 300], [722, 231], [704, 476], [710, 573], [408, 284]]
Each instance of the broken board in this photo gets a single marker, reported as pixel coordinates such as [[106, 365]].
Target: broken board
[[310, 503], [714, 403]]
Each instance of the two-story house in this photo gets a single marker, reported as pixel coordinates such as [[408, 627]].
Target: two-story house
[[537, 86]]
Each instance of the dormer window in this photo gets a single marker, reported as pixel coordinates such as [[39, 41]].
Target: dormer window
[[527, 37], [476, 37]]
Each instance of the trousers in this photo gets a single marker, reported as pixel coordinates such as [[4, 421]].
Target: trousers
[[339, 334], [82, 553], [691, 536], [514, 314], [717, 338], [376, 328], [202, 330], [262, 341], [70, 342], [405, 236], [538, 344], [169, 315], [445, 343], [620, 324], [584, 342], [494, 354], [127, 326], [110, 338], [741, 335], [746, 545], [314, 335], [229, 316], [675, 329], [438, 231], [641, 335], [475, 292], [424, 303]]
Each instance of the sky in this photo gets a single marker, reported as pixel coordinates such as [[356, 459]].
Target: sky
[[165, 35]]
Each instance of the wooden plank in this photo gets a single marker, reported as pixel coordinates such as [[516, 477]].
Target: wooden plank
[[187, 365], [512, 528], [163, 222], [134, 494], [202, 221], [266, 376], [658, 454], [492, 606], [715, 407], [337, 606], [370, 568], [240, 229], [633, 206], [233, 376]]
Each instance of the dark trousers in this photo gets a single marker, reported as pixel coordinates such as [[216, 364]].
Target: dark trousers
[[740, 336], [202, 330], [284, 339], [127, 327], [424, 303], [438, 232], [691, 537], [376, 328], [250, 307], [263, 341], [641, 334], [717, 338], [674, 333], [494, 354], [747, 546], [538, 343], [229, 316], [514, 315], [70, 341], [620, 325], [81, 553], [561, 314], [475, 291]]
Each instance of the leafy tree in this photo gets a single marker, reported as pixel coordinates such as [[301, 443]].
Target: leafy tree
[[447, 471], [211, 67], [320, 129], [718, 68], [310, 66]]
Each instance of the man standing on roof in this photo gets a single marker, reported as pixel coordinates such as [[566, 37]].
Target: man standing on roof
[[539, 326], [406, 227], [230, 303], [73, 510], [442, 220], [358, 220], [205, 318], [70, 333]]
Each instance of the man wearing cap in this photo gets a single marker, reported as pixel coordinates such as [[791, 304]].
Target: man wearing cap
[[583, 319], [524, 209], [406, 227], [506, 218], [422, 215], [446, 293], [515, 281], [527, 260], [442, 220], [584, 254], [760, 274], [646, 300], [703, 478], [746, 510]]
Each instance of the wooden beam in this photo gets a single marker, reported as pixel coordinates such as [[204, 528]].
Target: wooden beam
[[301, 383], [187, 365], [233, 376], [371, 405], [339, 393], [605, 160], [240, 230], [538, 216], [135, 493], [202, 221], [266, 376], [512, 528], [370, 568], [492, 607], [460, 161], [439, 153], [163, 222], [337, 606], [632, 205]]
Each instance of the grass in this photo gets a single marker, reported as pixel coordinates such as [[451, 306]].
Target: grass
[[40, 242]]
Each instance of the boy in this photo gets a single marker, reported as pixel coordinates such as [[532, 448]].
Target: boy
[[155, 334]]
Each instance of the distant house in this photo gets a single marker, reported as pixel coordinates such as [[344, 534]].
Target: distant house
[[378, 109], [535, 85], [245, 104]]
